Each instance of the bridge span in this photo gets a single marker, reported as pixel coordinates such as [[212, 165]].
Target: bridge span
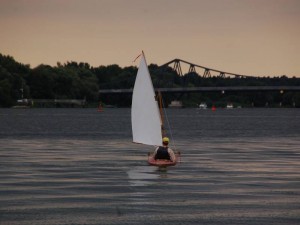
[[281, 89], [206, 72]]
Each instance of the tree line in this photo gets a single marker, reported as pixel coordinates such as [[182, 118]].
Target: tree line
[[73, 80]]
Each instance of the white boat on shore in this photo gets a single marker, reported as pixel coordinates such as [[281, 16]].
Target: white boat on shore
[[203, 105], [229, 106], [175, 104]]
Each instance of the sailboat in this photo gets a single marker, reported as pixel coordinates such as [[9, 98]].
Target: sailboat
[[146, 117]]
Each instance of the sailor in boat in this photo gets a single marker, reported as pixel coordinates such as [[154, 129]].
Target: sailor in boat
[[164, 152]]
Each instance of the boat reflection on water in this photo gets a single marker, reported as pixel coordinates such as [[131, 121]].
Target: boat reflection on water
[[146, 175], [142, 175]]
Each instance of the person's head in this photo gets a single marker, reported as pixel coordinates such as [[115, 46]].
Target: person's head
[[165, 141]]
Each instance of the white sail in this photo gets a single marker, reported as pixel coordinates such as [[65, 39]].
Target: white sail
[[145, 116]]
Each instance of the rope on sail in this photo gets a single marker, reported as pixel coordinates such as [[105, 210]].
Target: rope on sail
[[168, 124]]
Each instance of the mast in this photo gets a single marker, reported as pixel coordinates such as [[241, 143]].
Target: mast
[[160, 104]]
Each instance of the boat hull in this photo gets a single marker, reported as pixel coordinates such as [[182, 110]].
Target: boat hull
[[162, 162]]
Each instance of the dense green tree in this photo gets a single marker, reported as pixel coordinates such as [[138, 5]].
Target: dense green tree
[[107, 76], [64, 81], [87, 85], [12, 81], [5, 93], [73, 80], [41, 82]]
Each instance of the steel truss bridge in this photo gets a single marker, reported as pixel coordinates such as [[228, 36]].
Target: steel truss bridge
[[208, 72]]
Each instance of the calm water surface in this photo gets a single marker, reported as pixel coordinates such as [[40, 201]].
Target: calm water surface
[[78, 166]]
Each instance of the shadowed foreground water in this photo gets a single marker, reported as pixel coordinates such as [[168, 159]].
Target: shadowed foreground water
[[77, 166]]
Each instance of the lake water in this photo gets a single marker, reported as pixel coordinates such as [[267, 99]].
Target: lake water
[[79, 166]]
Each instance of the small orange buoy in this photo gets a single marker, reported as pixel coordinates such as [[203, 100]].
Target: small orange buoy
[[100, 109]]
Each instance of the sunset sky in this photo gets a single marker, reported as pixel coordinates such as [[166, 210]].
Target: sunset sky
[[250, 37]]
